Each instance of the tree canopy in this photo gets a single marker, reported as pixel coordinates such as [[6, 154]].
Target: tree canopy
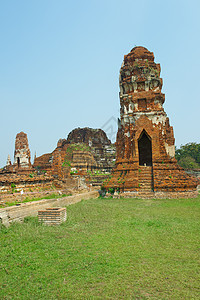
[[188, 156]]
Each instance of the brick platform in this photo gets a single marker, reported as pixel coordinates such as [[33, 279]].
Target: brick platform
[[52, 216]]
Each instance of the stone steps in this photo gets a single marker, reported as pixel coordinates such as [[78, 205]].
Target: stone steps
[[146, 195], [146, 187], [145, 180], [149, 178]]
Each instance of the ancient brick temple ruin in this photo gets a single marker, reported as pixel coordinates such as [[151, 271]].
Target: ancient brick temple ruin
[[145, 159], [20, 174], [22, 155], [85, 149], [100, 147], [86, 152]]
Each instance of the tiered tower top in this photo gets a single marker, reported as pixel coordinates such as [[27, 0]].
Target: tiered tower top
[[139, 53], [139, 73]]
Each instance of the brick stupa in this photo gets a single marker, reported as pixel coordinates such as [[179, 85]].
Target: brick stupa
[[145, 162], [22, 155]]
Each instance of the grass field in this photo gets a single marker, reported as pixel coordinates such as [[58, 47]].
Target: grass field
[[107, 249]]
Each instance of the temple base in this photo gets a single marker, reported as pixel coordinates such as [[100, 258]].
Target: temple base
[[158, 195]]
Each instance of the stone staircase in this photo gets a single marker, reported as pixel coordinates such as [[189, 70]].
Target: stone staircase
[[145, 180], [97, 180]]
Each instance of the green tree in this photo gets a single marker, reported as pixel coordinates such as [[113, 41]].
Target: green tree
[[188, 156], [188, 162]]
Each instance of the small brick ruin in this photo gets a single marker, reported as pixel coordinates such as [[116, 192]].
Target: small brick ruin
[[85, 149], [100, 147], [145, 151], [52, 216]]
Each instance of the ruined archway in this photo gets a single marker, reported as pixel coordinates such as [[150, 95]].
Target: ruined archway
[[145, 149]]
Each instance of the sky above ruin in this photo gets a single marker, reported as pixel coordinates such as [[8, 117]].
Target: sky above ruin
[[60, 61]]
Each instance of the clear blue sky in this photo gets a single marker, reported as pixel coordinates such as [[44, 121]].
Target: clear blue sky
[[60, 61]]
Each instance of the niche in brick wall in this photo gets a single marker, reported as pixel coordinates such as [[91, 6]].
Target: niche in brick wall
[[142, 104]]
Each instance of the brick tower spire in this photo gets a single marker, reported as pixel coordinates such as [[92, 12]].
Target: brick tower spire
[[145, 162]]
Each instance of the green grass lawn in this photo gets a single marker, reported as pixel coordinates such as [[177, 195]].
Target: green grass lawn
[[107, 249]]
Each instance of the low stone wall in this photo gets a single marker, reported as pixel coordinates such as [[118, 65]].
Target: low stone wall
[[18, 212], [9, 198], [176, 195]]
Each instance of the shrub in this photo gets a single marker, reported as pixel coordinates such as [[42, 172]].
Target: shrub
[[102, 192], [66, 163], [73, 172], [190, 150], [111, 190]]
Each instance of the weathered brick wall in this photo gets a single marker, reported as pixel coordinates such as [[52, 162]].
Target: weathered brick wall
[[43, 162], [13, 181]]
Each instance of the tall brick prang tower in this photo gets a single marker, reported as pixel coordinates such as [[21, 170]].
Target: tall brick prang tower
[[145, 162]]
